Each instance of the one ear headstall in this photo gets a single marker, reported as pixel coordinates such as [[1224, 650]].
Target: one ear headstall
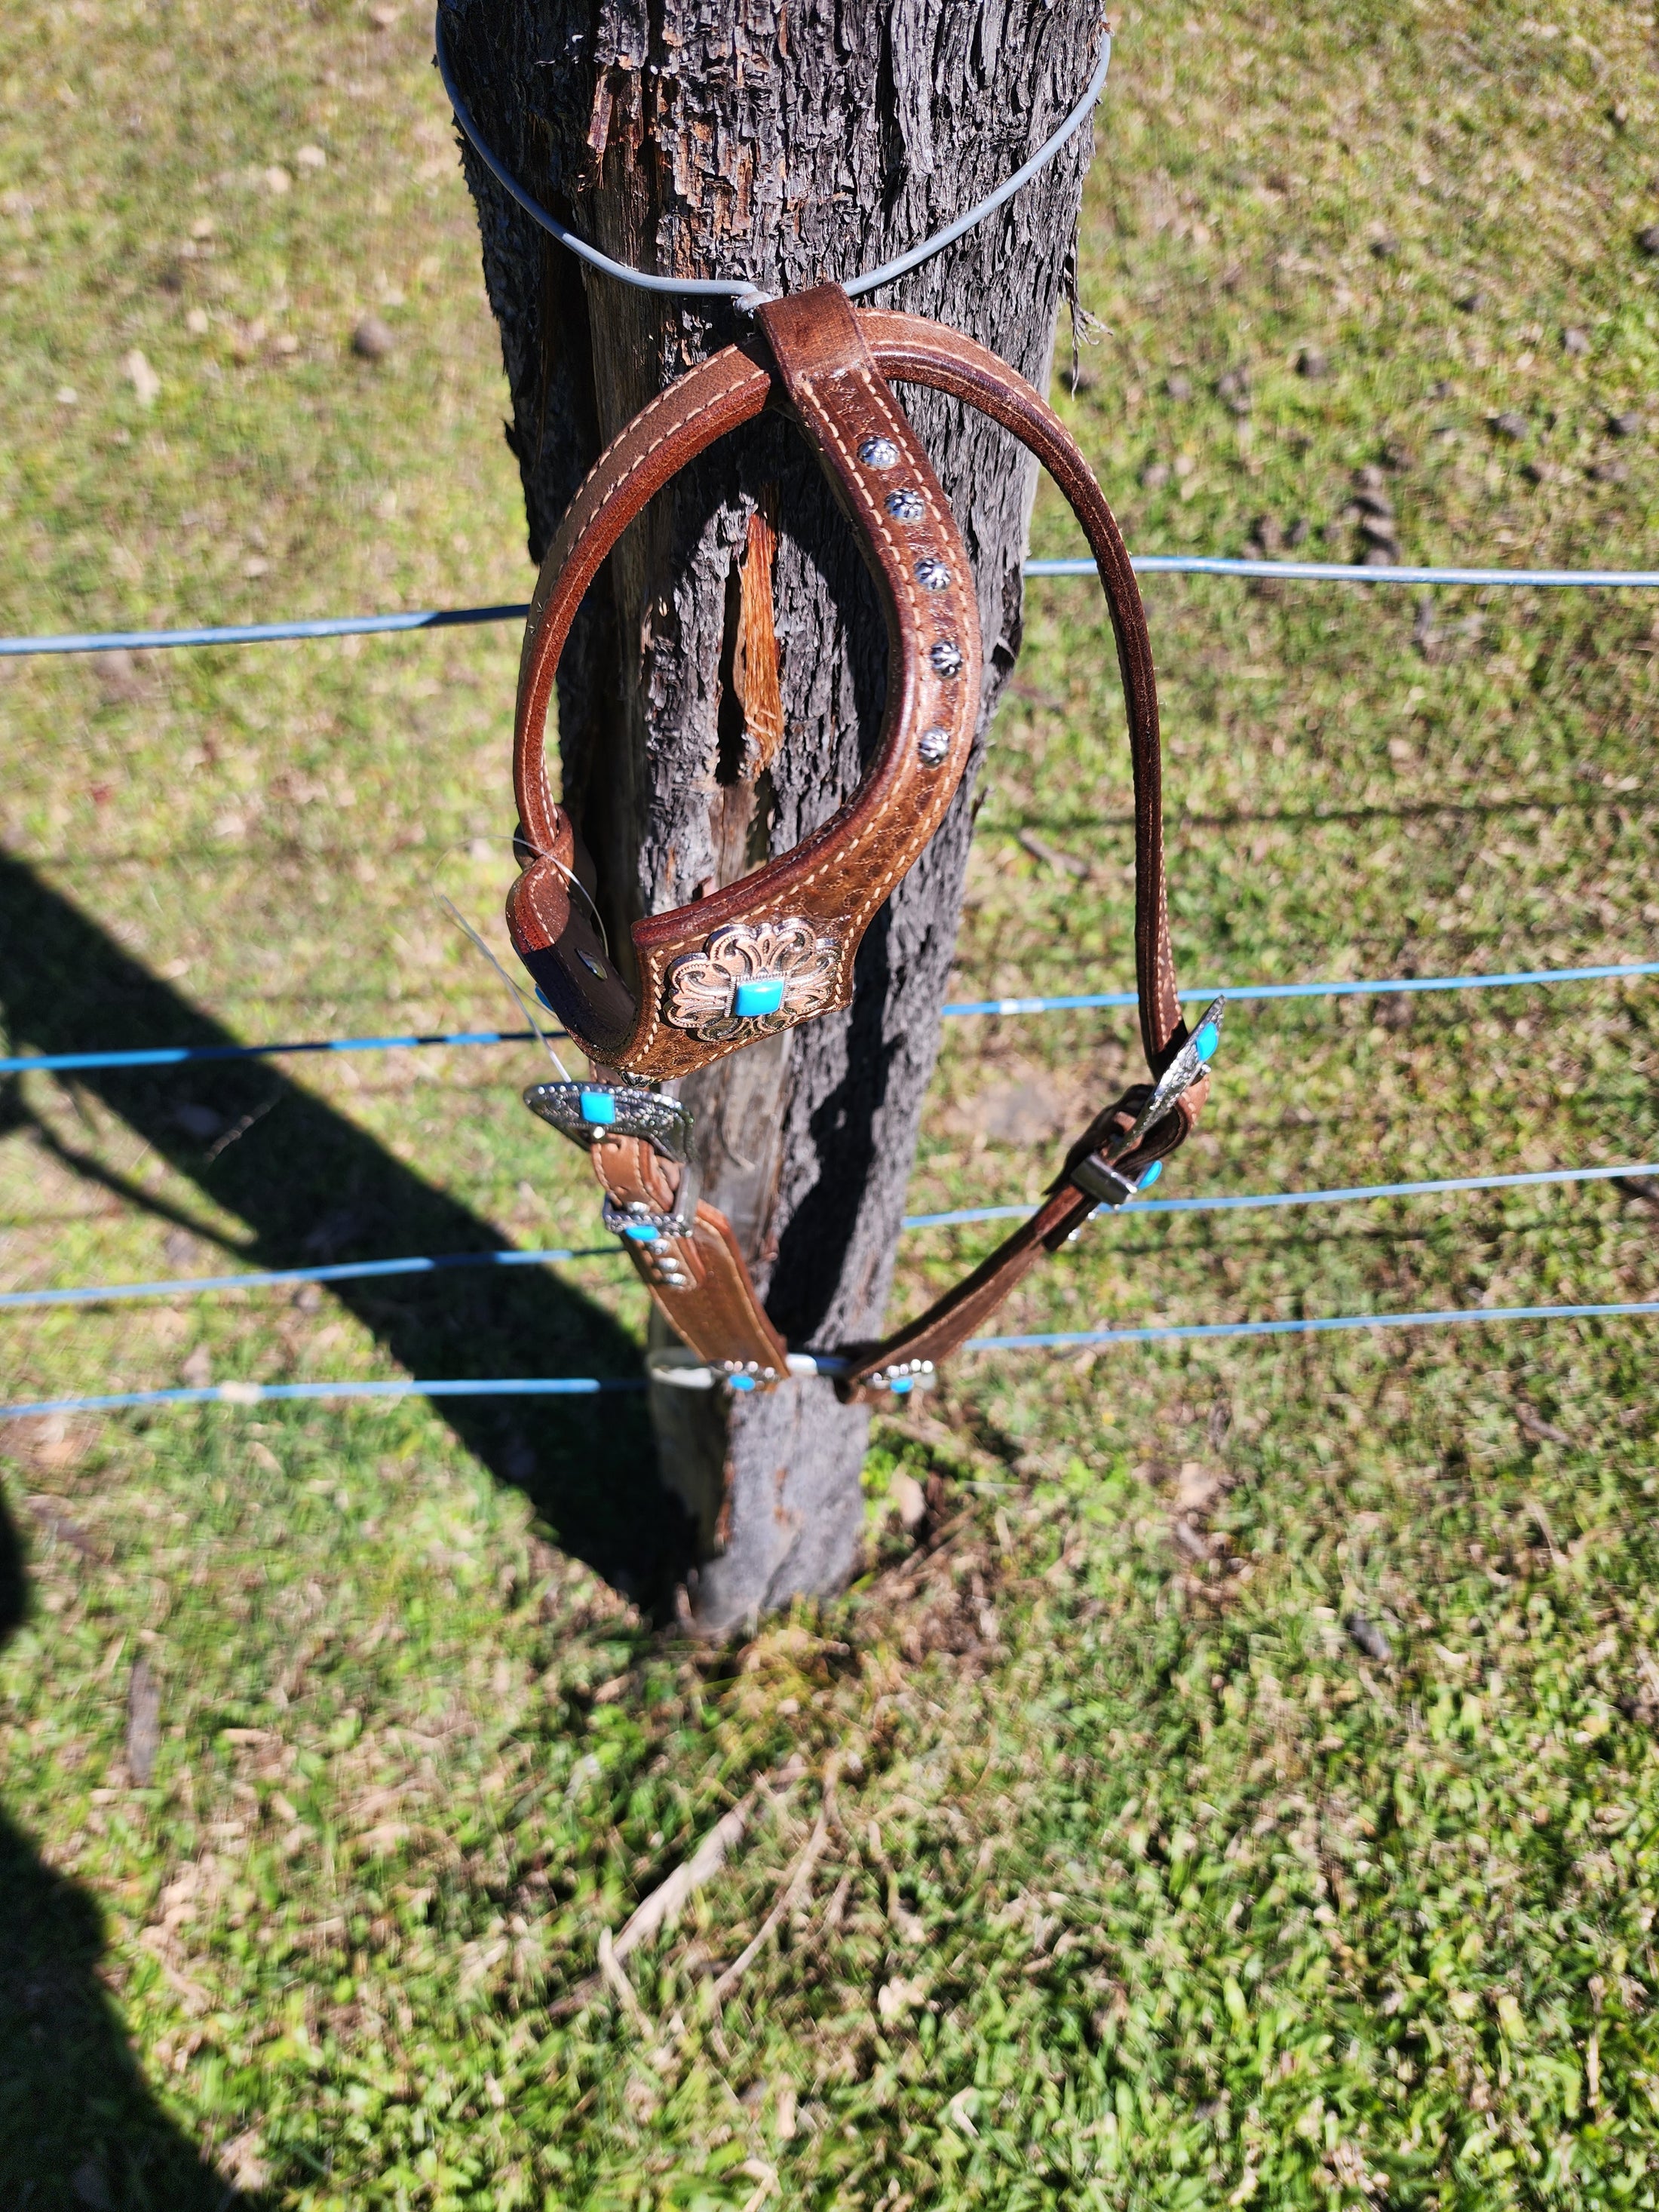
[[778, 947]]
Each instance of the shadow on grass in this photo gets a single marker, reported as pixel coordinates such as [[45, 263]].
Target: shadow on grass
[[80, 2131], [312, 1186]]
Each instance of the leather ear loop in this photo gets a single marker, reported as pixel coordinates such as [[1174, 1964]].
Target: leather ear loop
[[719, 395], [733, 388]]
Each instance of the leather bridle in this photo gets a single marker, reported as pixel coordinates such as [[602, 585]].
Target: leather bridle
[[778, 948]]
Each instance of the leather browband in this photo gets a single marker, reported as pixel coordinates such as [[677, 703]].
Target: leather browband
[[778, 948]]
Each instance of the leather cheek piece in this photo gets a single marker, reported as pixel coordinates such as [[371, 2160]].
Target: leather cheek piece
[[632, 1173], [697, 1277], [951, 1320], [703, 1289]]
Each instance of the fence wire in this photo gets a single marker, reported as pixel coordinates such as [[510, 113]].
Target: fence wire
[[1237, 994], [1144, 564], [352, 1271], [241, 1394], [238, 1392]]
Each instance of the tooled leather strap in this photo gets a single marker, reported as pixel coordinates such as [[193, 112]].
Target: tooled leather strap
[[777, 948], [696, 1274], [724, 1322], [913, 350]]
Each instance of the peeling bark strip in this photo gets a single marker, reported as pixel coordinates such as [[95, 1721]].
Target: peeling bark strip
[[734, 139]]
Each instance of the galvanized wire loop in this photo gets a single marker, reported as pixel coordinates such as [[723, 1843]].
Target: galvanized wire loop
[[744, 294]]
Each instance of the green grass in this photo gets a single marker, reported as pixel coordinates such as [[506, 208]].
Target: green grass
[[1142, 1884]]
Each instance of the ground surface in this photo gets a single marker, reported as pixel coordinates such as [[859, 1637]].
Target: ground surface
[[1127, 1872]]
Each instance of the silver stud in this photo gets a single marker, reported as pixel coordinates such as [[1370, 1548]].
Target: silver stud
[[932, 746], [878, 453], [907, 506], [933, 575], [946, 658]]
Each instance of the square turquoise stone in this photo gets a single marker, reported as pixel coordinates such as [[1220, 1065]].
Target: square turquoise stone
[[598, 1107], [760, 996]]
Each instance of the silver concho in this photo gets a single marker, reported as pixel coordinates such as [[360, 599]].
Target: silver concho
[[643, 1227], [784, 970], [584, 1111], [946, 658], [903, 1376], [907, 506], [931, 746], [933, 575], [878, 453]]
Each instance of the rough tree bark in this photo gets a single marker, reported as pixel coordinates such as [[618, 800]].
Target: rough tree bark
[[787, 144]]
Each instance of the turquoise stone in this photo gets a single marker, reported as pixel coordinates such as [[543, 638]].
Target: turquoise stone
[[1208, 1040], [1151, 1175], [642, 1233], [741, 1382], [598, 1106], [759, 996], [900, 1383]]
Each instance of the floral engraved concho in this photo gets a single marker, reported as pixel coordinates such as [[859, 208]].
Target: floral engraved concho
[[751, 978]]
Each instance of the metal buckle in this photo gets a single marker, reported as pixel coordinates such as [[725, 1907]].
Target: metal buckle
[[587, 1111], [1096, 1175], [1097, 1180]]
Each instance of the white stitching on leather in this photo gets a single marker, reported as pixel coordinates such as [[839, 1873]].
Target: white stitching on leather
[[584, 511], [926, 821]]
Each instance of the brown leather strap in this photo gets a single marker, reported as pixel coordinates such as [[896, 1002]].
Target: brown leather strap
[[913, 350], [696, 1276], [803, 913], [555, 933], [920, 1345], [777, 948]]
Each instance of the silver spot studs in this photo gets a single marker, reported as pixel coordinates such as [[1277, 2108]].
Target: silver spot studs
[[907, 506], [878, 453], [932, 746], [946, 658], [933, 575]]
